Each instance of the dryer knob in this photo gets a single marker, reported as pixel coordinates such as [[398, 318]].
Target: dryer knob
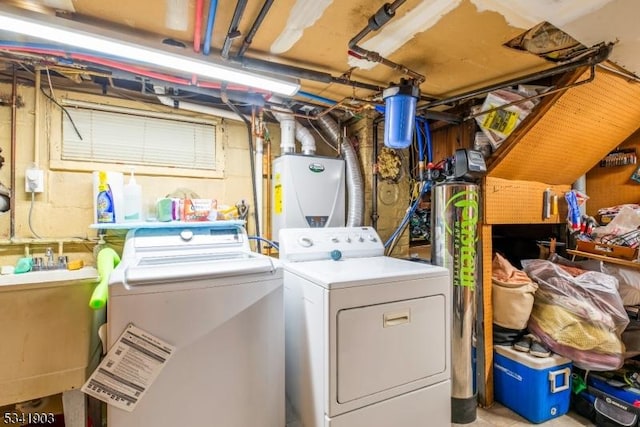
[[305, 242], [336, 255]]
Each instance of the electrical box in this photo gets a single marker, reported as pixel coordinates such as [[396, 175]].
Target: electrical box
[[308, 191], [34, 180]]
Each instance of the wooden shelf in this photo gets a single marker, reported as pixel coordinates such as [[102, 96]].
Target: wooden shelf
[[604, 258]]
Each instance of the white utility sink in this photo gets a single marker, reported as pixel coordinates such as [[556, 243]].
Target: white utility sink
[[48, 332]]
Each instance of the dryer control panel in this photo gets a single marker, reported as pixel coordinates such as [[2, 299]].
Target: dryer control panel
[[306, 244]]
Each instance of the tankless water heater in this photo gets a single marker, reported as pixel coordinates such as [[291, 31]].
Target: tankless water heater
[[308, 191]]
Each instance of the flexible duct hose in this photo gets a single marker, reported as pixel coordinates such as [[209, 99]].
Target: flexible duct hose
[[355, 189]]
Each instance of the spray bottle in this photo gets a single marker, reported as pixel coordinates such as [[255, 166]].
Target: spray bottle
[[132, 200]]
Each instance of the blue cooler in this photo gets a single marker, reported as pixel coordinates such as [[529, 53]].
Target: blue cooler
[[538, 388]]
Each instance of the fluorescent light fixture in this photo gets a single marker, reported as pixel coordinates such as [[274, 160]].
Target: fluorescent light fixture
[[87, 38]]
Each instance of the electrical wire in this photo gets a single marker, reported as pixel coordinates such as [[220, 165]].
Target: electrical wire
[[33, 195], [262, 239], [391, 242], [52, 99]]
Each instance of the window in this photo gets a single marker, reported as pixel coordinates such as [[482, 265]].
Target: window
[[161, 143]]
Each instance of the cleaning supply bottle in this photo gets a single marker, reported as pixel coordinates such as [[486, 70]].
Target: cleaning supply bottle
[[132, 200], [104, 205]]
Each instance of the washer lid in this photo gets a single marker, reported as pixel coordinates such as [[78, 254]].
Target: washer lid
[[362, 271]]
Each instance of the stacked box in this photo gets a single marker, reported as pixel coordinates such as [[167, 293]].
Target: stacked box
[[537, 388]]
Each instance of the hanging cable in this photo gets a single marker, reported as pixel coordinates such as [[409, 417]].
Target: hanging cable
[[33, 195], [249, 127]]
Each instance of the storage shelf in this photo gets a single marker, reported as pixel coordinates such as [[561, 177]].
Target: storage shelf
[[605, 258], [168, 224]]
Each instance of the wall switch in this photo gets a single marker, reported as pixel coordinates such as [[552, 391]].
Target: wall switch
[[34, 180]]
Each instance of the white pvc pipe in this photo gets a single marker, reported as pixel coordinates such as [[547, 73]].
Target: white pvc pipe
[[259, 180], [307, 142], [36, 118], [287, 132], [197, 108], [291, 130]]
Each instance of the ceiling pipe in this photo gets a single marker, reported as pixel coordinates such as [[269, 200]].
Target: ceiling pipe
[[302, 73], [197, 28], [601, 53], [376, 21], [254, 28], [233, 32], [209, 31]]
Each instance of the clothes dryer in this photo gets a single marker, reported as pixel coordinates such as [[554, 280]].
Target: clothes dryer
[[367, 336]]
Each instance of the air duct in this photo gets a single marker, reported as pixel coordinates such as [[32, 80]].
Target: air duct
[[290, 128], [355, 189]]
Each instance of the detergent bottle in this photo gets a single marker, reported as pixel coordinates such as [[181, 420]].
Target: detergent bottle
[[132, 200], [104, 203]]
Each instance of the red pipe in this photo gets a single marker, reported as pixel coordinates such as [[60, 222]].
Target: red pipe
[[136, 70], [197, 31], [131, 68]]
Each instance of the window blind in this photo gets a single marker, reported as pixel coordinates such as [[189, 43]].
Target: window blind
[[134, 138]]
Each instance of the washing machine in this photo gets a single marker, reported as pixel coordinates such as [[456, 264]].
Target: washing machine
[[201, 289], [367, 336]]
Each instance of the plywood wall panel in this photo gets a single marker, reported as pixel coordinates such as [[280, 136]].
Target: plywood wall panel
[[581, 127], [613, 185], [520, 202]]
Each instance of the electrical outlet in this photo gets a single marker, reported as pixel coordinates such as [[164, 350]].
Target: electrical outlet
[[34, 180]]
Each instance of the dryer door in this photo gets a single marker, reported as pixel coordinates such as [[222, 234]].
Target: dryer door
[[388, 345]]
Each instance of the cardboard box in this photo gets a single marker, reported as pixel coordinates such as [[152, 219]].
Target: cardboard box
[[614, 251], [537, 388]]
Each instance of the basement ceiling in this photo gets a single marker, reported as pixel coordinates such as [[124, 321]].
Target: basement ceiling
[[458, 45]]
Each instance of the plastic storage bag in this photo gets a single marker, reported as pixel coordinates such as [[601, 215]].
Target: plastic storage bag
[[581, 317]]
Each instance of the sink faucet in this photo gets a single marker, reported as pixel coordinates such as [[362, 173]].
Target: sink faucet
[[49, 254]]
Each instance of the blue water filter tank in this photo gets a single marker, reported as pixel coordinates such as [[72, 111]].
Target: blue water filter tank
[[400, 113]]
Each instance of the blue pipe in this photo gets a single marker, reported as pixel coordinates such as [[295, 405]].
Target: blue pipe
[[316, 97], [209, 32], [427, 132], [420, 139]]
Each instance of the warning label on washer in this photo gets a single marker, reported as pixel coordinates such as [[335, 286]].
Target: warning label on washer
[[129, 369]]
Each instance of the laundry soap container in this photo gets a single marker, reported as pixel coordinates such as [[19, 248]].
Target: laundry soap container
[[538, 388], [132, 200], [115, 183]]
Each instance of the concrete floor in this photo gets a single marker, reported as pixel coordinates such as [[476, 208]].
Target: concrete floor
[[500, 416]]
